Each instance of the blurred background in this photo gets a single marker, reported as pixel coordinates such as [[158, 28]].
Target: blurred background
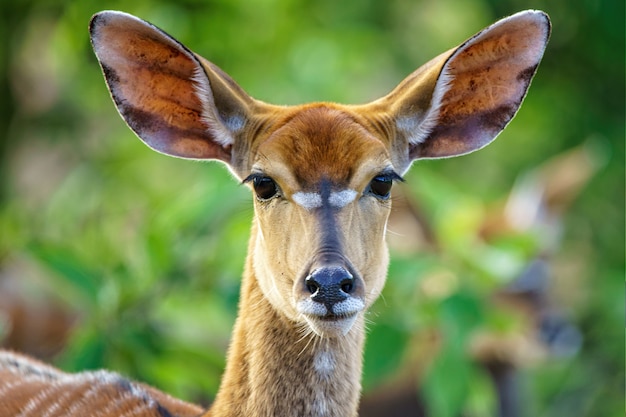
[[506, 288]]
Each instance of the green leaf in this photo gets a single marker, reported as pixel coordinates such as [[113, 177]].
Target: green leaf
[[67, 266], [86, 350], [449, 380], [383, 352], [445, 388]]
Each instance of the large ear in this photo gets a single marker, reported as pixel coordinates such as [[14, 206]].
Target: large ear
[[176, 102], [460, 101]]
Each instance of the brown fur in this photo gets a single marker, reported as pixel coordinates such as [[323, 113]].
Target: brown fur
[[32, 388], [270, 365], [291, 355]]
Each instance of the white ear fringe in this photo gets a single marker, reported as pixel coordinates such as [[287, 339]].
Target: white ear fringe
[[221, 132], [417, 130]]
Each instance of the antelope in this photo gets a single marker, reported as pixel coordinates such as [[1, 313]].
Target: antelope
[[321, 175]]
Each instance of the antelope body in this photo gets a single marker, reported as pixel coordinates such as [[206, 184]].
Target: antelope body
[[321, 174]]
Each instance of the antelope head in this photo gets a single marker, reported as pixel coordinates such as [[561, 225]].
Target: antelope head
[[321, 173]]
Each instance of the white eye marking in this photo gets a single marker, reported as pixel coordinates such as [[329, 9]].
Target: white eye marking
[[308, 200], [341, 199], [338, 199]]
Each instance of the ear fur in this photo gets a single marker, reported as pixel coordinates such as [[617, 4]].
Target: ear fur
[[176, 102], [183, 105], [460, 101]]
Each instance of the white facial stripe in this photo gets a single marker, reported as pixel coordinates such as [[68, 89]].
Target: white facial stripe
[[338, 199], [342, 198], [308, 200]]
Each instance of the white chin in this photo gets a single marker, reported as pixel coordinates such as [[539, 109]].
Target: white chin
[[331, 328]]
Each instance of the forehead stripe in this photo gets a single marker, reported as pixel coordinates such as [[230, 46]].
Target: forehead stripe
[[308, 200], [338, 199], [342, 198]]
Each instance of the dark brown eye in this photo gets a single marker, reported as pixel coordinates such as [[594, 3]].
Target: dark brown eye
[[381, 187], [264, 187]]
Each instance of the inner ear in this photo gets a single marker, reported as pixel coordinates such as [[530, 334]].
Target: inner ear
[[176, 102], [460, 101], [481, 86]]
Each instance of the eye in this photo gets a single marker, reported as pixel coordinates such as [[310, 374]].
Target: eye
[[380, 187], [264, 187]]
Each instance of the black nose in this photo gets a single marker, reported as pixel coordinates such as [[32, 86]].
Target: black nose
[[330, 285]]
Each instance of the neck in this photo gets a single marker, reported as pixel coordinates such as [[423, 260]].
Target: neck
[[275, 369]]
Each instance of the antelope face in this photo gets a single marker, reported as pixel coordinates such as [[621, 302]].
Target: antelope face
[[322, 184]]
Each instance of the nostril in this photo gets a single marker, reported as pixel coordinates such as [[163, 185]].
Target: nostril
[[312, 287], [347, 285]]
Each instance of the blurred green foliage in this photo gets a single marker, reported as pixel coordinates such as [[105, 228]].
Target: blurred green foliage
[[149, 250]]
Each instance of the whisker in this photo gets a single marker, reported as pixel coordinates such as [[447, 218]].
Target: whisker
[[391, 232], [311, 338]]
